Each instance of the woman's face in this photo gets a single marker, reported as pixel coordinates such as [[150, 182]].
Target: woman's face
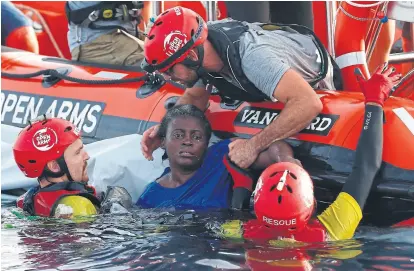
[[185, 143]]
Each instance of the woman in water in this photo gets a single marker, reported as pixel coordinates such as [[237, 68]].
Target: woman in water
[[199, 176]]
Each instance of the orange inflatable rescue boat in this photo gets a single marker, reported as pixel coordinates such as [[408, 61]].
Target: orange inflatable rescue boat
[[108, 101]]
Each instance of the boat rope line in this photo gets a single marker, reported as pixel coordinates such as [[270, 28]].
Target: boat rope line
[[150, 78], [45, 26], [354, 4]]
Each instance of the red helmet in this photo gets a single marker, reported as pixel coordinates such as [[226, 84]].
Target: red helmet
[[283, 198], [43, 141], [174, 33]]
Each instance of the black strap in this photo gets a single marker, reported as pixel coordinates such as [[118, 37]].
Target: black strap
[[84, 191], [225, 37], [241, 199], [64, 167], [69, 186], [48, 173], [196, 66], [301, 29], [337, 75], [78, 16], [28, 202], [63, 170], [228, 91], [241, 193]]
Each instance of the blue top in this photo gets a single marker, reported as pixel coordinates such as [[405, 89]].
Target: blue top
[[11, 19], [209, 188]]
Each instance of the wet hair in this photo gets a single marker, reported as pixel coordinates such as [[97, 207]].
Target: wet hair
[[184, 110]]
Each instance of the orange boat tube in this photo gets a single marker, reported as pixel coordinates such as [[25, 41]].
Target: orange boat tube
[[326, 147]]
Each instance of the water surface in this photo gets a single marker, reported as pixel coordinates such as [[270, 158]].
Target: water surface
[[172, 240]]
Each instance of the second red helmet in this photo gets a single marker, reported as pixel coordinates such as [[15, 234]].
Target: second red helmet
[[174, 33]]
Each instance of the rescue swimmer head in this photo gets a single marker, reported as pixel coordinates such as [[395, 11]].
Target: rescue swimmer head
[[171, 40], [284, 198], [51, 150]]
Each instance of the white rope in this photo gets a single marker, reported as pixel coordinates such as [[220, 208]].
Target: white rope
[[364, 5], [357, 18], [45, 26]]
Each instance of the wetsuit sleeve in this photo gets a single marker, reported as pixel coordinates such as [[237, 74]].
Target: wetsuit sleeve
[[342, 217]]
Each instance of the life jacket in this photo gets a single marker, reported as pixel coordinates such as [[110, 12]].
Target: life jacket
[[225, 38], [313, 232], [43, 201]]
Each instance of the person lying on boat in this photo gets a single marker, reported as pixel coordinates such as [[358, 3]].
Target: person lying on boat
[[16, 29], [202, 177], [105, 31], [51, 150], [244, 61], [284, 202]]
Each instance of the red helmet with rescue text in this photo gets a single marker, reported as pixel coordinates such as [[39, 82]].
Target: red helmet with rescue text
[[174, 33], [284, 198], [42, 141]]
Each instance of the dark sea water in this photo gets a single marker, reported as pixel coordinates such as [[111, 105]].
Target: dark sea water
[[172, 240]]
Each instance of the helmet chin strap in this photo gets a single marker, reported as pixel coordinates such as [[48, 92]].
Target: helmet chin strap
[[63, 170], [196, 65], [64, 167]]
